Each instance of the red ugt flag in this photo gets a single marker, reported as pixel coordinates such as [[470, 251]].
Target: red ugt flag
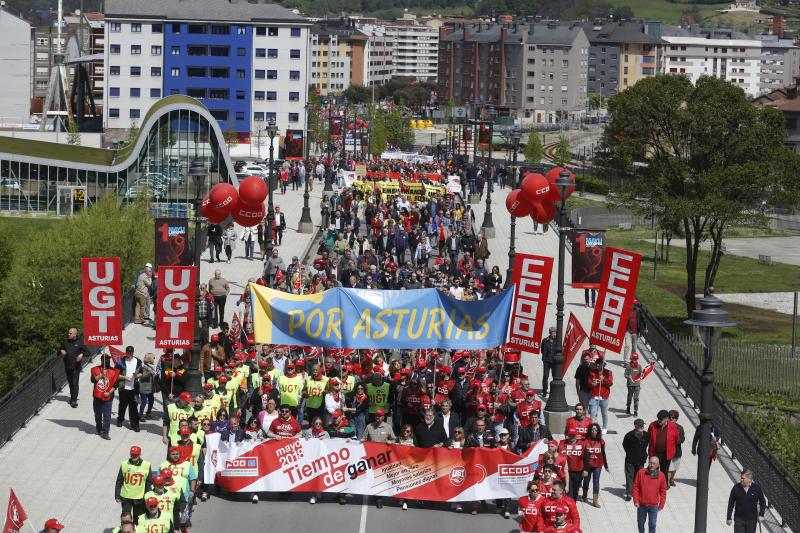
[[15, 516], [102, 301], [573, 339], [614, 303], [176, 298]]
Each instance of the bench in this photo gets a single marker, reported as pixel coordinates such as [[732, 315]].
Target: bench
[[765, 259]]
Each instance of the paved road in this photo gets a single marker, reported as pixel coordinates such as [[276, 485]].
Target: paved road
[[781, 249]]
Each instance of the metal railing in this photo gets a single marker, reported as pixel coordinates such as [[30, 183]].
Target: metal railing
[[601, 217], [781, 489], [34, 391], [769, 368]]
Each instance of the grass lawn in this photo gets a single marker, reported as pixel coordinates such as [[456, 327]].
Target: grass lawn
[[17, 229], [664, 296], [576, 202], [666, 11]]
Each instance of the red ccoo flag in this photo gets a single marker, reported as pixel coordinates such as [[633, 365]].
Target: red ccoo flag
[[573, 339], [645, 372], [15, 516]]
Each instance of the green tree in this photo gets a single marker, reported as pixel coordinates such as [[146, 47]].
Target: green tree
[[377, 131], [622, 13], [596, 102], [533, 148], [398, 129], [230, 135], [41, 293], [562, 155], [74, 135], [133, 133], [701, 153]]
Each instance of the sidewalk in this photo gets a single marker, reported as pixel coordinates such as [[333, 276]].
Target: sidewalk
[[59, 468], [657, 393]]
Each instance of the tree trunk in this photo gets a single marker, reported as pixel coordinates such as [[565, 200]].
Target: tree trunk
[[712, 268], [693, 228]]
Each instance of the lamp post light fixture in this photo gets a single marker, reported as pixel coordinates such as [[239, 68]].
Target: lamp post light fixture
[[557, 410], [515, 136], [709, 319], [198, 172], [272, 132], [306, 225]]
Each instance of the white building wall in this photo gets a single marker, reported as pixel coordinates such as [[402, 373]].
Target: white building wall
[[15, 65], [124, 81], [416, 51]]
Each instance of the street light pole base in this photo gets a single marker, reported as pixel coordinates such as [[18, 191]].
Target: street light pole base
[[305, 227], [488, 232], [556, 420]]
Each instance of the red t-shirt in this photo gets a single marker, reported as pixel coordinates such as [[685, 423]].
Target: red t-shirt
[[549, 517], [600, 384], [524, 411], [595, 450], [531, 515], [443, 389], [573, 453], [101, 386], [580, 426], [285, 428]]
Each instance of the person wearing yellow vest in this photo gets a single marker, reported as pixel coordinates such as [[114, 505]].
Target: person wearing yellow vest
[[133, 480], [314, 393], [291, 387], [348, 379], [378, 394], [185, 477], [173, 414], [154, 520], [168, 500], [126, 524], [177, 492], [212, 400], [190, 450], [201, 410], [274, 372]]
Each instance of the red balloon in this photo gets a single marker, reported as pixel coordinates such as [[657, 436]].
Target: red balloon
[[209, 213], [544, 212], [517, 205], [535, 188], [252, 191], [552, 176], [224, 197], [248, 216]]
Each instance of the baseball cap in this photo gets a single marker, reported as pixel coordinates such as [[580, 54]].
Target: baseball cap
[[158, 480], [173, 449], [214, 338], [571, 431], [639, 423], [503, 431], [530, 392], [185, 431], [152, 502], [53, 523], [380, 412], [223, 379], [481, 369], [218, 369], [554, 442], [148, 265], [209, 386], [377, 369], [662, 414], [461, 370], [262, 364], [135, 451], [481, 406], [634, 355], [186, 397], [334, 381], [166, 473]]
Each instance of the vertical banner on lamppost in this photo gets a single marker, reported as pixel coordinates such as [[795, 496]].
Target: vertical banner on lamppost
[[294, 145], [102, 301], [531, 280], [172, 242], [484, 134], [574, 336], [588, 248], [615, 301], [175, 311]]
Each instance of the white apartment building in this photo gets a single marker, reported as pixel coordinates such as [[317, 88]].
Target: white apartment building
[[379, 55], [15, 64], [416, 48], [780, 62]]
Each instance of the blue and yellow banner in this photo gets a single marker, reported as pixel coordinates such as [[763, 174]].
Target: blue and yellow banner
[[361, 318]]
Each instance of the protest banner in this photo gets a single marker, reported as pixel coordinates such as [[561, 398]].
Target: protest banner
[[102, 301], [615, 300], [175, 315], [531, 280]]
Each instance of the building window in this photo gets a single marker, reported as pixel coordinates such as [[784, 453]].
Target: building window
[[240, 95], [294, 54], [136, 28], [113, 91], [135, 92], [136, 50], [155, 50], [271, 116], [176, 50], [197, 29], [241, 30], [136, 71], [196, 93], [157, 28], [564, 88], [218, 94], [241, 52], [261, 52], [197, 50], [112, 49], [272, 53], [564, 63], [259, 95], [113, 70], [196, 72], [294, 74], [134, 113], [113, 112], [272, 96], [176, 72], [294, 96], [261, 31], [220, 72], [219, 114], [294, 117], [155, 71], [259, 74], [176, 27], [240, 115], [220, 51], [272, 74], [155, 93], [272, 32], [115, 27], [240, 74], [220, 29], [258, 116], [295, 32]]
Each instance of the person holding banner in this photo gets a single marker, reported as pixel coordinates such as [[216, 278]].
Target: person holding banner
[[633, 372], [105, 378]]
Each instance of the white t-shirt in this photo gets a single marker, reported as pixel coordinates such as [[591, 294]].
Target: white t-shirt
[[130, 371]]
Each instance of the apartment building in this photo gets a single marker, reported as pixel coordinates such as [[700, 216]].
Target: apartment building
[[379, 55], [415, 46], [620, 54], [246, 61], [338, 56], [535, 72], [780, 63], [15, 64]]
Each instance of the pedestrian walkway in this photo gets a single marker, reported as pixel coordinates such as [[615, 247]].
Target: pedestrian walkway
[[58, 467], [658, 392]]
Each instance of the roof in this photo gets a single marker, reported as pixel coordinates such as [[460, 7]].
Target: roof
[[542, 34], [558, 34], [618, 32], [208, 10], [326, 30], [784, 99]]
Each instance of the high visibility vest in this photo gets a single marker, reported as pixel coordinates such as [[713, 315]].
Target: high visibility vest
[[315, 390], [245, 369], [134, 478], [199, 436], [348, 384], [232, 388], [274, 374], [255, 380], [378, 397], [290, 390], [160, 524], [180, 473], [204, 413], [215, 403], [166, 500], [195, 454], [175, 415]]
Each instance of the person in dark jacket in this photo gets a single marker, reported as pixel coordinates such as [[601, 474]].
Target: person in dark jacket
[[548, 349], [532, 434], [214, 233], [73, 351], [749, 503], [430, 433], [234, 432], [635, 445]]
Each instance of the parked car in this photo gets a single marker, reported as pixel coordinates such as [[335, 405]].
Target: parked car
[[10, 183], [239, 165]]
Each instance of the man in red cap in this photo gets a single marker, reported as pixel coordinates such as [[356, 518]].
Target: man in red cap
[[169, 501], [154, 520], [52, 526], [133, 480], [561, 524], [173, 414], [573, 449], [554, 505], [291, 388]]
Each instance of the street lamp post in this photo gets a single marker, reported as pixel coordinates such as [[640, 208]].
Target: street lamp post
[[197, 170], [306, 225], [556, 411], [344, 134], [516, 135], [709, 319], [272, 132], [488, 223], [328, 186]]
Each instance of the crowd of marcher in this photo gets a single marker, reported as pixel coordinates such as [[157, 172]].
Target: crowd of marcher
[[424, 398]]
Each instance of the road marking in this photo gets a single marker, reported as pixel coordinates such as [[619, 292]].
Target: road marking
[[362, 525]]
